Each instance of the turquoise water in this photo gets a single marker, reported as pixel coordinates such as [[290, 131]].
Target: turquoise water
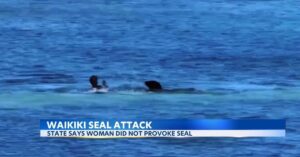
[[242, 57]]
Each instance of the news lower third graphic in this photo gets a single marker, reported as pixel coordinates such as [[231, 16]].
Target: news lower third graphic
[[93, 128]]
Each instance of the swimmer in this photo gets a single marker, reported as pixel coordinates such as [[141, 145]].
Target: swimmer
[[96, 88], [155, 86]]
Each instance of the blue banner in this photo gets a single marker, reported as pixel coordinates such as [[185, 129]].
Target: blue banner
[[179, 124]]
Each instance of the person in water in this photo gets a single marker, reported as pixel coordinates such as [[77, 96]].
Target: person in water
[[96, 87]]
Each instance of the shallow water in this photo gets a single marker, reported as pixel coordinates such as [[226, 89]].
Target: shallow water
[[241, 56]]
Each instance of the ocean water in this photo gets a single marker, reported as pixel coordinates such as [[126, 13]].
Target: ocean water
[[242, 57]]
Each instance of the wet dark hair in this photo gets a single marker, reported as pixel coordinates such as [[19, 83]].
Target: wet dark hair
[[153, 85], [94, 81]]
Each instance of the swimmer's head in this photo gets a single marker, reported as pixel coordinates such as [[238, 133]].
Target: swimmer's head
[[94, 81], [153, 86]]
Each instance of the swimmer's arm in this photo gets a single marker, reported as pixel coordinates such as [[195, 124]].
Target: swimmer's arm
[[104, 84]]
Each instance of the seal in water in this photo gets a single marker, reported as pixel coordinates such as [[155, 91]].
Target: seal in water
[[153, 86]]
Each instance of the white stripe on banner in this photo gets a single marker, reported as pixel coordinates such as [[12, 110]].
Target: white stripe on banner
[[160, 133]]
